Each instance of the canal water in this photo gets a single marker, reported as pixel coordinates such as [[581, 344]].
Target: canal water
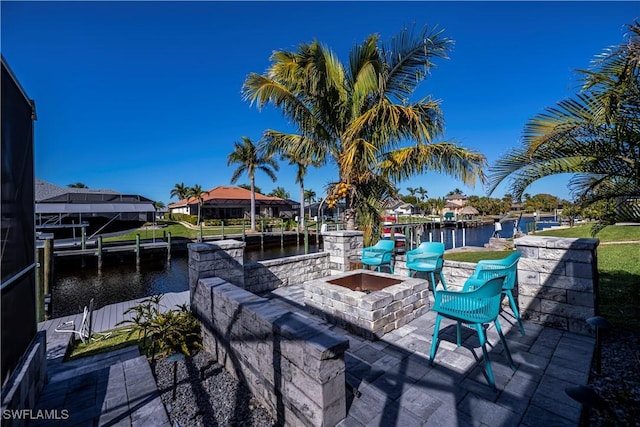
[[75, 286]]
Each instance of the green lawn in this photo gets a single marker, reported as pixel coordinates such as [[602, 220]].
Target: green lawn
[[104, 342], [612, 233], [178, 230]]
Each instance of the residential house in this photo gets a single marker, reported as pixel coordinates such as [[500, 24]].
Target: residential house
[[227, 202], [455, 203], [394, 207], [61, 210]]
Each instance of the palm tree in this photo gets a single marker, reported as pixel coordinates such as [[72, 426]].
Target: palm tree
[[359, 116], [250, 160], [279, 192], [422, 192], [77, 185], [302, 162], [196, 192], [595, 135], [309, 197], [180, 191]]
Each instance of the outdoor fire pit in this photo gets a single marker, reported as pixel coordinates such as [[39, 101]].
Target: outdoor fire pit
[[367, 303]]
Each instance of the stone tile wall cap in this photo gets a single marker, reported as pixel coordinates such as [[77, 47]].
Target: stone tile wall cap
[[557, 242], [345, 233], [220, 244]]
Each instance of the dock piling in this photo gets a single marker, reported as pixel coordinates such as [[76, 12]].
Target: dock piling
[[99, 253], [169, 247], [137, 251]]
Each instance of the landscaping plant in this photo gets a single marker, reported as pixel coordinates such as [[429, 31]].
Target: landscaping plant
[[173, 331]]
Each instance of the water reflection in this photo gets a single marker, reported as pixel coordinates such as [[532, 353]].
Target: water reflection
[[75, 286]]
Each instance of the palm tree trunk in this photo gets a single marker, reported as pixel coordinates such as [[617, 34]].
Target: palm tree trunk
[[350, 218], [253, 205], [301, 222]]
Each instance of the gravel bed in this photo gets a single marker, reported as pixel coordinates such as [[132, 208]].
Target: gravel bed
[[618, 383], [207, 395]]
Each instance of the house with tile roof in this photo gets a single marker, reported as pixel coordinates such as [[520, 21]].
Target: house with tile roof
[[232, 202]]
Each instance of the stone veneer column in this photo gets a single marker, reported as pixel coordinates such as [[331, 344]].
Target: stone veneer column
[[341, 245], [558, 281], [224, 259]]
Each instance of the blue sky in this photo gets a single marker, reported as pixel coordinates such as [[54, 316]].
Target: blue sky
[[139, 96]]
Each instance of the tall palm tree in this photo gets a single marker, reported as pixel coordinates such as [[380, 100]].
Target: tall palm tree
[[360, 116], [250, 160], [595, 135], [309, 197], [302, 162], [180, 191], [422, 192], [196, 192]]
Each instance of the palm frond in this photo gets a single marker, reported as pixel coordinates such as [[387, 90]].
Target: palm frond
[[444, 157], [409, 59]]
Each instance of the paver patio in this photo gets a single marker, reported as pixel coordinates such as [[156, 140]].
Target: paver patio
[[395, 383]]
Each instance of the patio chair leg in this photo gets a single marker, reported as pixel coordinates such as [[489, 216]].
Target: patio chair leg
[[485, 354], [444, 284], [504, 344], [434, 342], [514, 309], [458, 334]]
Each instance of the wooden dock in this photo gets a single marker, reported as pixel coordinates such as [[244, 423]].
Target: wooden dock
[[111, 249]]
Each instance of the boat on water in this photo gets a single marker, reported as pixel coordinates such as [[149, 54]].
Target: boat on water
[[388, 224]]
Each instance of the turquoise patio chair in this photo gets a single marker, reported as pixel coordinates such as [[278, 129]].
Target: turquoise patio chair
[[428, 258], [507, 267], [379, 254], [475, 308]]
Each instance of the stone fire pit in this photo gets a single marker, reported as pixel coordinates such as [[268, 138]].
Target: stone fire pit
[[367, 303]]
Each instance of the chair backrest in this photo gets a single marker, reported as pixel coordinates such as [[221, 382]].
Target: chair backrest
[[505, 267], [387, 245], [435, 247], [481, 305]]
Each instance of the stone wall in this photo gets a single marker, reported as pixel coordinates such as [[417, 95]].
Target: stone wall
[[292, 364], [24, 385], [557, 281], [344, 248], [274, 273], [224, 259]]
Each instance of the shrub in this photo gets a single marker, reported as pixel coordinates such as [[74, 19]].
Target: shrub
[[191, 219], [176, 330]]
